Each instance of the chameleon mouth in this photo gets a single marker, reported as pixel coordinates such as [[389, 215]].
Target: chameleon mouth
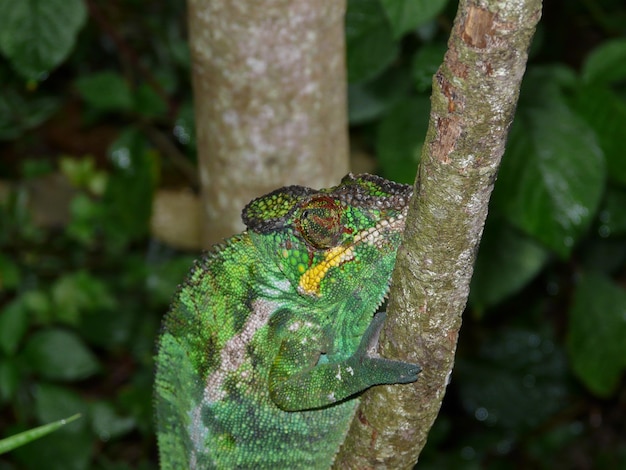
[[311, 279]]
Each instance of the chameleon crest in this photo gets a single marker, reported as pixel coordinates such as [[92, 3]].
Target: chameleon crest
[[267, 343]]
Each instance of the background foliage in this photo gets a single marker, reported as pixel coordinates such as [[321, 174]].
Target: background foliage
[[96, 95]]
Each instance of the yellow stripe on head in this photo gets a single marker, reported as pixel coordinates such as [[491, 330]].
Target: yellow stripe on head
[[312, 278]]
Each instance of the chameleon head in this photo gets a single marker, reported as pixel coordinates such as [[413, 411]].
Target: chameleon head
[[332, 242]]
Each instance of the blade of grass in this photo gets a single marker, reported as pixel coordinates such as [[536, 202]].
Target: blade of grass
[[25, 437]]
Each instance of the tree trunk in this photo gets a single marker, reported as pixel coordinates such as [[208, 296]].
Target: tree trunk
[[270, 100], [474, 97]]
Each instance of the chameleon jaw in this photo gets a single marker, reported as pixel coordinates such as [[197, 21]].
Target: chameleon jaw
[[311, 280]]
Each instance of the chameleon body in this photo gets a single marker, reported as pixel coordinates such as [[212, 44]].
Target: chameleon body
[[273, 333]]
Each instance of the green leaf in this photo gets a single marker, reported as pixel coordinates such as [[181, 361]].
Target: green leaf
[[606, 63], [105, 91], [595, 337], [106, 423], [165, 276], [605, 113], [128, 196], [13, 325], [367, 101], [553, 173], [78, 293], [400, 138], [25, 437], [516, 382], [19, 114], [53, 401], [60, 355], [369, 40], [9, 273], [506, 262], [613, 213], [602, 254], [37, 35], [426, 61], [39, 305], [60, 450], [9, 378], [82, 173], [112, 330], [137, 399], [405, 15], [148, 102]]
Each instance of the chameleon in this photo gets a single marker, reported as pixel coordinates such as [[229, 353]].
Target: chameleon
[[272, 336]]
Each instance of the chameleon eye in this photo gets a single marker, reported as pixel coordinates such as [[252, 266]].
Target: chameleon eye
[[319, 222]]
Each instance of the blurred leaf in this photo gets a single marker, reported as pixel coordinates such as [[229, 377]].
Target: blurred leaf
[[25, 437], [603, 254], [105, 91], [86, 215], [148, 102], [106, 423], [506, 262], [9, 378], [52, 401], [516, 382], [35, 168], [369, 40], [606, 63], [613, 213], [405, 15], [400, 138], [82, 173], [163, 278], [554, 439], [605, 113], [77, 293], [179, 48], [597, 329], [37, 35], [128, 196], [110, 331], [552, 175], [13, 325], [9, 273], [60, 450], [426, 61], [19, 114], [60, 355], [367, 101], [137, 399], [39, 304]]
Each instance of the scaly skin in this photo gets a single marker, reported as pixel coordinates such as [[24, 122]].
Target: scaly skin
[[270, 337]]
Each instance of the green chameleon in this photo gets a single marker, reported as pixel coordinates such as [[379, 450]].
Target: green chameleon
[[273, 333]]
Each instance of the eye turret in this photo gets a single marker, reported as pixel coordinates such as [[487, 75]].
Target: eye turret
[[319, 222]]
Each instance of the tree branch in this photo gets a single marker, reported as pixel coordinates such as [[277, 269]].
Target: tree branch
[[474, 97]]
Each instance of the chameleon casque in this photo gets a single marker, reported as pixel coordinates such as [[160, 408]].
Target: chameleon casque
[[273, 333]]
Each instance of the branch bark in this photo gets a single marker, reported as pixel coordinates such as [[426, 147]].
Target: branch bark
[[474, 97], [270, 100]]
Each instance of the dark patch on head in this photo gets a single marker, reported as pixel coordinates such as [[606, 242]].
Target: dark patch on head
[[269, 212]]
